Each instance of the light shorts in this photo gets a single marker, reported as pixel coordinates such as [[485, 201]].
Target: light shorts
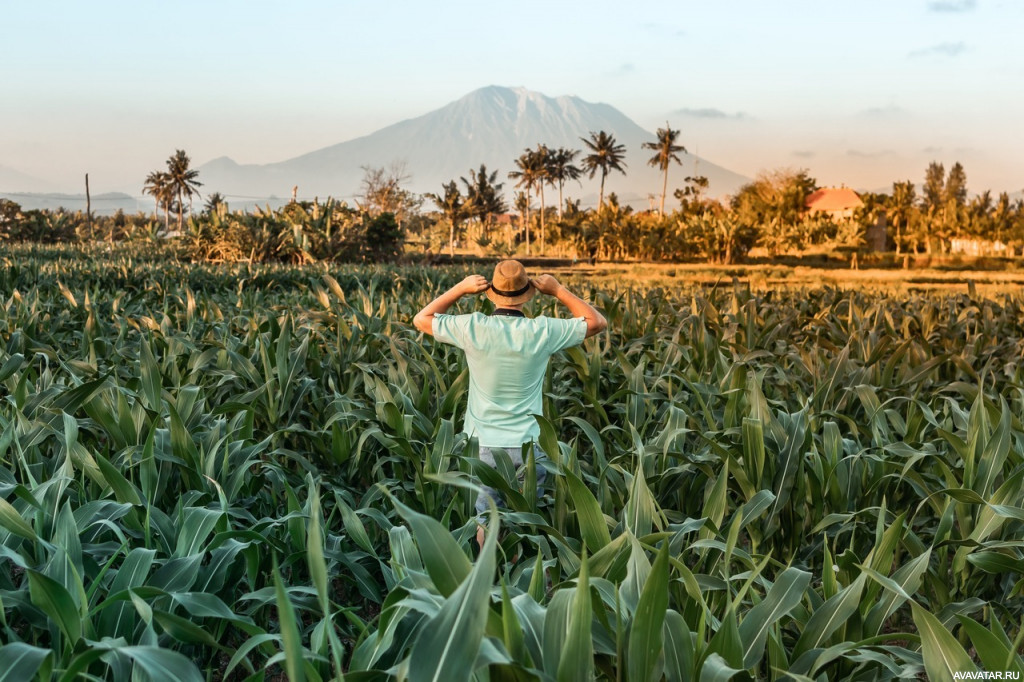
[[516, 455]]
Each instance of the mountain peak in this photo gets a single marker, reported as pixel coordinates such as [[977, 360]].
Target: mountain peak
[[491, 125], [221, 162]]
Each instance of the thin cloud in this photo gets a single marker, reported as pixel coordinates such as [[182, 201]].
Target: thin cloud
[[941, 50], [858, 154], [882, 112], [710, 113], [952, 5], [662, 29], [804, 154], [622, 70]]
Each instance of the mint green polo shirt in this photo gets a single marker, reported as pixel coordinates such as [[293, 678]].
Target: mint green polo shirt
[[507, 358]]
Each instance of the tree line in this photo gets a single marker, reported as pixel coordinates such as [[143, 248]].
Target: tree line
[[471, 214]]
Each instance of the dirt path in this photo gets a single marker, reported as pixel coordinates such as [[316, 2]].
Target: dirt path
[[768, 276]]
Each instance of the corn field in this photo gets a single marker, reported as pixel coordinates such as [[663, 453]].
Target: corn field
[[256, 473]]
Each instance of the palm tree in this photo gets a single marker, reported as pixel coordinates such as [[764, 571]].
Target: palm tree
[[902, 203], [666, 152], [522, 204], [183, 183], [483, 195], [543, 160], [454, 209], [158, 185], [214, 202], [530, 173], [606, 155], [562, 168]]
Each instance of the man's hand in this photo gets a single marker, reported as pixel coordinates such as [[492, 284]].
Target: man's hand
[[424, 319], [546, 284], [474, 284]]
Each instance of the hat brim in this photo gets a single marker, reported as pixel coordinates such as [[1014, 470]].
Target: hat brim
[[512, 300]]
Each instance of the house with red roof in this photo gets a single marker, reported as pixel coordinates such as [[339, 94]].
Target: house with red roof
[[837, 203]]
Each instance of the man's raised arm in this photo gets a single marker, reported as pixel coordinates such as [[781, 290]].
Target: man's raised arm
[[546, 284], [424, 320]]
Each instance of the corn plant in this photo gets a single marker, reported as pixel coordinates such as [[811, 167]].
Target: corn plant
[[245, 471]]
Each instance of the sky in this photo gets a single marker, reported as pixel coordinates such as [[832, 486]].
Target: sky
[[860, 94]]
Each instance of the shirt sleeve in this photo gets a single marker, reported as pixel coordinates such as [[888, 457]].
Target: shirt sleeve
[[449, 329], [564, 334]]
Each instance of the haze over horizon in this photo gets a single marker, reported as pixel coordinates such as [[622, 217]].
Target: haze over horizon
[[113, 88]]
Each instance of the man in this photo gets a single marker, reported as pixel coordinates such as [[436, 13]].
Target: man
[[507, 354]]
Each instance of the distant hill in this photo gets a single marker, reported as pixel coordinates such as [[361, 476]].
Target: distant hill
[[493, 126], [102, 204], [12, 180], [33, 193]]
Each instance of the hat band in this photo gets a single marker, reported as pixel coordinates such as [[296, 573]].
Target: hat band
[[512, 294]]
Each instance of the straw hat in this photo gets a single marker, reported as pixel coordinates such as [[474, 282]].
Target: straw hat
[[510, 284]]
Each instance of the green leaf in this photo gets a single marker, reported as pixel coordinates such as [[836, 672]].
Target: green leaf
[[943, 655], [991, 517], [591, 433], [183, 629], [556, 629], [20, 661], [726, 641], [512, 631], [123, 489], [638, 568], [830, 616], [715, 669], [12, 521], [788, 468], [206, 605], [117, 620], [315, 547], [753, 448], [645, 635], [996, 562], [679, 652], [289, 630], [149, 477], [641, 508], [537, 580], [354, 526], [163, 664], [198, 523], [444, 559], [990, 466], [549, 440], [608, 557], [447, 647], [576, 663], [56, 602], [905, 581], [716, 500], [993, 652], [152, 382], [783, 597], [533, 619], [11, 365], [177, 575], [593, 526], [761, 500]]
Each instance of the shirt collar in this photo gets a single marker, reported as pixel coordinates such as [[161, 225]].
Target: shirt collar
[[507, 312]]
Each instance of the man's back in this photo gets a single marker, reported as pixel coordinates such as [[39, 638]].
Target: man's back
[[507, 358]]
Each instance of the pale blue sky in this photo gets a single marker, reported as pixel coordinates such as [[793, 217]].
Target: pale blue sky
[[859, 93]]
